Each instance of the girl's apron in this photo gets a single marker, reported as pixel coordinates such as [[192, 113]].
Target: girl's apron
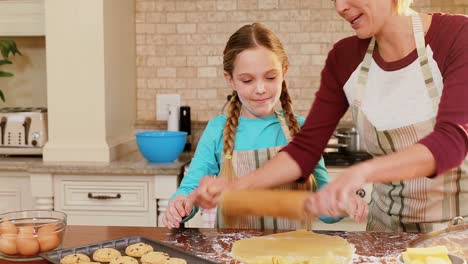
[[247, 161], [423, 204]]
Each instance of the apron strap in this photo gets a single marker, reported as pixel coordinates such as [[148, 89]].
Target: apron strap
[[364, 73], [418, 31], [362, 82]]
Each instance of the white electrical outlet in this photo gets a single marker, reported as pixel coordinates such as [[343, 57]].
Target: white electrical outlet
[[162, 102]]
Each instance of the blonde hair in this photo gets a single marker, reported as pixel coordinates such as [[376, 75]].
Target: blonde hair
[[403, 7], [249, 37]]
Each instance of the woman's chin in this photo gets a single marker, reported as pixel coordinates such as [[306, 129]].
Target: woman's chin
[[363, 35]]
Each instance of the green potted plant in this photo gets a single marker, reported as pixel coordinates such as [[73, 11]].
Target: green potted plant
[[7, 46]]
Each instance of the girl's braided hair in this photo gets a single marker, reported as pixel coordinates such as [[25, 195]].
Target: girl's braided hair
[[249, 37]]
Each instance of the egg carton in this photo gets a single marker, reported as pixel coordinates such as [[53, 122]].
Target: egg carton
[[120, 244]]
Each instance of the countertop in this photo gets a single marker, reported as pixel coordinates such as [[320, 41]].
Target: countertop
[[131, 164], [215, 244]]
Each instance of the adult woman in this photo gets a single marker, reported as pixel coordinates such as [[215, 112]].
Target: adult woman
[[405, 78], [255, 65]]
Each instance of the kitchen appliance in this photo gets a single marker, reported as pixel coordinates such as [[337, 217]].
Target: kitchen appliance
[[23, 130], [344, 148], [348, 138], [185, 125], [345, 159]]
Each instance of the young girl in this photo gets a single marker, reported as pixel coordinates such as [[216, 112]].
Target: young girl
[[255, 66]]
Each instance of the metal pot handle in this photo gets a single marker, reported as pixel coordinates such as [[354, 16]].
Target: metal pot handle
[[337, 145], [339, 135], [457, 221]]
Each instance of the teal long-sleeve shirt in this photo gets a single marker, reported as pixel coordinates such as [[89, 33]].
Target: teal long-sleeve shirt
[[251, 134]]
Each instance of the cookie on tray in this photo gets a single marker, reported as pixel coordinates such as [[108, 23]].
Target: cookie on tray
[[106, 254], [154, 258], [176, 261], [138, 249], [124, 260], [74, 259], [89, 262]]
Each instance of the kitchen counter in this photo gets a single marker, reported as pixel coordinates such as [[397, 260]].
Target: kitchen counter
[[132, 164], [215, 244]]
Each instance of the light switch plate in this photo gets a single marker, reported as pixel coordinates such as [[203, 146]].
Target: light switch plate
[[162, 102]]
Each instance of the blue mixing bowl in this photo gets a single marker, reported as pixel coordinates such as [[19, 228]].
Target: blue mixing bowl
[[161, 146]]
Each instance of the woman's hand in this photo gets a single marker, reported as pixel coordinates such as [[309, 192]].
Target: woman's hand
[[339, 197], [178, 208], [208, 192]]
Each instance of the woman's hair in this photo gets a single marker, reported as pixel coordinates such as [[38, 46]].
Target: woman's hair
[[249, 37], [403, 7]]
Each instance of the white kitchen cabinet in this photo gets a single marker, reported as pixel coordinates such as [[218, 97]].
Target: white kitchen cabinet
[[22, 18], [117, 200], [15, 192], [346, 224]]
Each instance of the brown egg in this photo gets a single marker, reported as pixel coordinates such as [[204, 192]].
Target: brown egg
[[48, 242], [48, 238], [46, 229], [27, 245], [8, 244], [7, 227], [26, 230]]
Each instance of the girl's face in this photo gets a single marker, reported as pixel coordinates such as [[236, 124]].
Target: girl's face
[[257, 77], [366, 17]]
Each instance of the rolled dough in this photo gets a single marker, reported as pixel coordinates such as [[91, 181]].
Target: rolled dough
[[294, 247]]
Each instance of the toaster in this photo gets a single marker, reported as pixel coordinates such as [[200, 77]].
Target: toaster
[[23, 131]]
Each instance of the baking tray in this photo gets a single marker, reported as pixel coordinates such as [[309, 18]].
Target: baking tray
[[120, 244]]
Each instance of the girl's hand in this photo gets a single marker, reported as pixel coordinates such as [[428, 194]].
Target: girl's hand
[[208, 192], [178, 208]]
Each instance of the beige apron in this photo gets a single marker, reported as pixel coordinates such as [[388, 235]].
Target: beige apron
[[423, 204], [247, 161]]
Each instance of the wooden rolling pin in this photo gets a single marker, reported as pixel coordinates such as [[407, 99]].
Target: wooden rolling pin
[[275, 203]]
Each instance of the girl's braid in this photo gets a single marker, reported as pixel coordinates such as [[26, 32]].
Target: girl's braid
[[286, 104]]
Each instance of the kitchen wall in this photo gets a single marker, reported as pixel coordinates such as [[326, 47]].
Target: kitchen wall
[[180, 42], [28, 87]]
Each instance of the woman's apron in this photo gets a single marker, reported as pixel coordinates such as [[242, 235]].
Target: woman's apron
[[247, 161], [423, 204]]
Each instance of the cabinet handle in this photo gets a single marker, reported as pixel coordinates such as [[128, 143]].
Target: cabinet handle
[[361, 193], [103, 197]]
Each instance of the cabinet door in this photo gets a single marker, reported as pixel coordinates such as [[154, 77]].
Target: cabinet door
[[15, 192], [106, 200]]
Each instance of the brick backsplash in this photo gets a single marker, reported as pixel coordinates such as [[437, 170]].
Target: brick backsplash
[[180, 44]]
